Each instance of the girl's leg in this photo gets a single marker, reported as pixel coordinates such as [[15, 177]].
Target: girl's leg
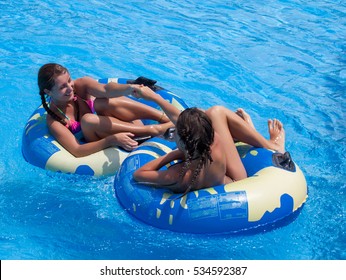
[[234, 166], [243, 132], [230, 125], [96, 127], [245, 116], [128, 110]]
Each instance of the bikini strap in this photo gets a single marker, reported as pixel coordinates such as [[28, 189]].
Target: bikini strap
[[61, 112], [67, 117], [87, 101]]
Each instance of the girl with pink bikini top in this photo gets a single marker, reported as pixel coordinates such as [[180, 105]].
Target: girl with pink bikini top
[[117, 122]]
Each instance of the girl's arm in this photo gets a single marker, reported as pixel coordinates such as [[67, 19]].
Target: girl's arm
[[64, 136], [151, 173], [171, 111], [87, 86]]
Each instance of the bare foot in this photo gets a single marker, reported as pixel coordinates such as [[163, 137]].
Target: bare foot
[[245, 116], [160, 129], [277, 135], [164, 118]]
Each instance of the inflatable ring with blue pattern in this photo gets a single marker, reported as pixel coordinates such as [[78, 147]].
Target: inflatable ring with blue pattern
[[275, 189]]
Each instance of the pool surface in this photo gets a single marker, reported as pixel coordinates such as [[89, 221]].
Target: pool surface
[[284, 59]]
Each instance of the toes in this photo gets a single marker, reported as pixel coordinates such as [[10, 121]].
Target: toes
[[239, 112], [278, 125], [270, 124]]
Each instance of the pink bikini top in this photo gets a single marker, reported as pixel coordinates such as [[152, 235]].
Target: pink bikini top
[[73, 125]]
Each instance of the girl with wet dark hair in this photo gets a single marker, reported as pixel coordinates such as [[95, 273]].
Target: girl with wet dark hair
[[206, 151], [101, 114]]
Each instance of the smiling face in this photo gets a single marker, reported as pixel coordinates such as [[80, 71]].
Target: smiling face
[[63, 89]]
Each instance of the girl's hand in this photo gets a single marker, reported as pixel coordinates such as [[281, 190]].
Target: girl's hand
[[124, 140], [140, 91], [136, 90]]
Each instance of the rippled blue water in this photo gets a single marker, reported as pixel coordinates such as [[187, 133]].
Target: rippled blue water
[[282, 59]]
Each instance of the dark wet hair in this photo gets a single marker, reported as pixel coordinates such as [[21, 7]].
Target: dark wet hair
[[46, 80], [196, 133]]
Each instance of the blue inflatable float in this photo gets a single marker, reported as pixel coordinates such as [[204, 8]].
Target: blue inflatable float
[[41, 149], [275, 189]]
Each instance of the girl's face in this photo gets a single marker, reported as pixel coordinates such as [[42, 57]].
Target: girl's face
[[63, 89]]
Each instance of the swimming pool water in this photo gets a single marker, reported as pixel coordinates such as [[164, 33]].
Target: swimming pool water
[[284, 59]]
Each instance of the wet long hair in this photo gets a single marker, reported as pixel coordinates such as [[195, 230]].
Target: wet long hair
[[46, 80], [196, 134]]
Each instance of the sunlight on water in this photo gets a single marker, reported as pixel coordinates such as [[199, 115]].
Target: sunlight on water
[[284, 59]]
